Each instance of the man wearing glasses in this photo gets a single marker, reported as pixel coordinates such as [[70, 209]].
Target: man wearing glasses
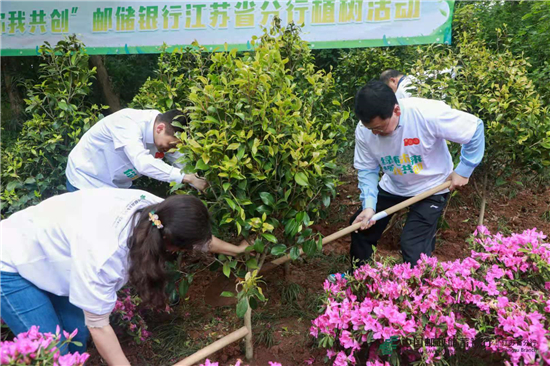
[[407, 140]]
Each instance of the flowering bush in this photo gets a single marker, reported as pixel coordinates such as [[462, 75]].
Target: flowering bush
[[497, 296], [239, 363], [35, 348], [127, 316]]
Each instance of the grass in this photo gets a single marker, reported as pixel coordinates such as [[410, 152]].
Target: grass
[[265, 336], [290, 293]]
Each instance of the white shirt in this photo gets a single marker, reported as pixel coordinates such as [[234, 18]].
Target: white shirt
[[404, 88], [75, 244], [119, 149], [415, 157]]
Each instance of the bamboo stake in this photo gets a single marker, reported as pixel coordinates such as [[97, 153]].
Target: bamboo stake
[[376, 217], [249, 349], [214, 347]]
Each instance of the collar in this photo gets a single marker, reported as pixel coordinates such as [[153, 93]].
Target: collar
[[400, 80], [149, 127]]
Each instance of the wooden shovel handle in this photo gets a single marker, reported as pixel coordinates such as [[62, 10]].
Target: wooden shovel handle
[[389, 211], [419, 197]]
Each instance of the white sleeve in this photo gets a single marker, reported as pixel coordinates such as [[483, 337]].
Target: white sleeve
[[147, 165], [127, 135], [173, 159], [362, 156], [450, 124]]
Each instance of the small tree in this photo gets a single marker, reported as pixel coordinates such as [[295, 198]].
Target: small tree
[[34, 167], [264, 136]]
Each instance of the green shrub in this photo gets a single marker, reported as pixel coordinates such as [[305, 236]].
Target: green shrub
[[265, 136], [33, 168]]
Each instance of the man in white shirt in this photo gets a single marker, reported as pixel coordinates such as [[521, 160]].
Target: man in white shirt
[[406, 138], [398, 82], [126, 145], [402, 85]]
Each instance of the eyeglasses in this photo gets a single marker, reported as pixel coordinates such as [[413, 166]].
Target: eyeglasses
[[379, 129]]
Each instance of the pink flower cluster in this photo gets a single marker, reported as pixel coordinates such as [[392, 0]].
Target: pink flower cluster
[[128, 317], [238, 363], [502, 288], [33, 347]]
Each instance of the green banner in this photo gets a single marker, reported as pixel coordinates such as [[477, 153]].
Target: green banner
[[126, 27]]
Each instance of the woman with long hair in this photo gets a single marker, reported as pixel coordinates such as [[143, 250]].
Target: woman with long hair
[[64, 260]]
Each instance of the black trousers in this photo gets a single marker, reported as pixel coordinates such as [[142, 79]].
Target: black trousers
[[418, 234]]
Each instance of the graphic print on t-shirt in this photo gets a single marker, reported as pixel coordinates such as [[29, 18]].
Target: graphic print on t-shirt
[[400, 165]]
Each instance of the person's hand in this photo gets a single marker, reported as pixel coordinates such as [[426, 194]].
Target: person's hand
[[457, 181], [242, 246], [195, 181], [364, 218]]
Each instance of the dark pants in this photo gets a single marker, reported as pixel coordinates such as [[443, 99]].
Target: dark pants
[[25, 305], [418, 234]]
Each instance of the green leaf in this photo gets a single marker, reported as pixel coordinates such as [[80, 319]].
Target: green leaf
[[259, 246], [30, 180], [242, 307], [267, 198], [301, 179], [227, 294], [12, 185], [309, 247], [294, 253], [226, 186], [233, 146], [252, 263], [278, 249], [291, 227], [263, 209], [270, 237], [201, 165], [253, 303], [226, 269], [326, 200], [183, 288], [230, 203]]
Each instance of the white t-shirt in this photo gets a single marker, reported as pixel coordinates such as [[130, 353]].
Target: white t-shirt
[[75, 244], [404, 88], [119, 149], [415, 157]]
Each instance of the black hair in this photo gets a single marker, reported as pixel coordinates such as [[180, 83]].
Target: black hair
[[186, 225], [173, 115], [375, 99], [388, 74]]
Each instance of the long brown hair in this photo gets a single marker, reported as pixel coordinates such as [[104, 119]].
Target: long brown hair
[[186, 225]]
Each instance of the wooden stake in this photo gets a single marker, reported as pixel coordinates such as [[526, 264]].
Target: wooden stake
[[214, 347], [249, 349]]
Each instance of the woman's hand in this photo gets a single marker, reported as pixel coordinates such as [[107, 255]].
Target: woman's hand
[[241, 248]]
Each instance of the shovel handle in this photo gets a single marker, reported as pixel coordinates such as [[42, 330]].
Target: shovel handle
[[357, 226]]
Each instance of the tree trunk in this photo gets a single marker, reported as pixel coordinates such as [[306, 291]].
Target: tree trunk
[[286, 270], [483, 201], [103, 78], [8, 73]]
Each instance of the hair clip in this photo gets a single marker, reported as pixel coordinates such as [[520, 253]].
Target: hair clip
[[155, 219]]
